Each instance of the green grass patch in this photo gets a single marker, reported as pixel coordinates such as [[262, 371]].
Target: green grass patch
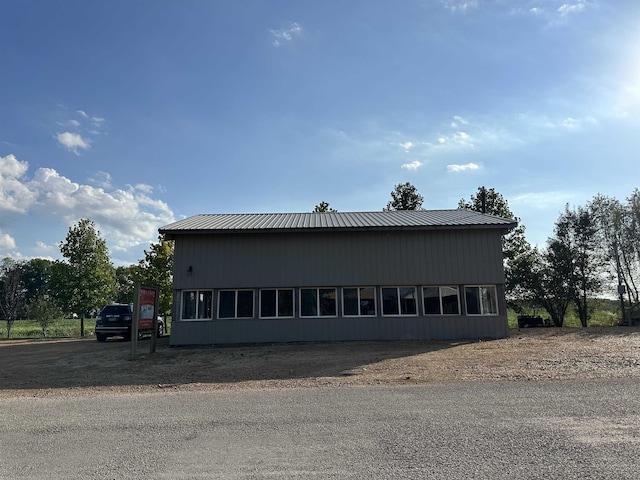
[[64, 327]]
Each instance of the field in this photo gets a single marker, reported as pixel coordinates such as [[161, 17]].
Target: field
[[72, 366]]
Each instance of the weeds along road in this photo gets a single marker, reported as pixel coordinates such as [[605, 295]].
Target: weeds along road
[[496, 430]]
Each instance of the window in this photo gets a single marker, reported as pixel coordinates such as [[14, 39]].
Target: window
[[399, 301], [440, 300], [359, 301], [276, 303], [235, 304], [318, 302], [197, 304], [481, 300]]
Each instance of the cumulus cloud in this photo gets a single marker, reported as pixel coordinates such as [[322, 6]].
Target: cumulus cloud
[[412, 166], [73, 142], [285, 34], [101, 179], [15, 195], [126, 218], [6, 241], [462, 168]]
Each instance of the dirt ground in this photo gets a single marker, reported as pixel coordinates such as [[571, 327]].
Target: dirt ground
[[86, 367]]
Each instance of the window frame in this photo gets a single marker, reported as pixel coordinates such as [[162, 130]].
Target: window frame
[[480, 297], [236, 292], [440, 299], [197, 317], [318, 299], [399, 301], [277, 305], [359, 302]]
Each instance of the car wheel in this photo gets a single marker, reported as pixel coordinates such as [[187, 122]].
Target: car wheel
[[101, 337], [160, 330]]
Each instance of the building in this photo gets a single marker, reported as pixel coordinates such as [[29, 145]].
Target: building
[[299, 277]]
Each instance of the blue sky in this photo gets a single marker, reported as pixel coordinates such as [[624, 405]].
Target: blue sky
[[138, 113]]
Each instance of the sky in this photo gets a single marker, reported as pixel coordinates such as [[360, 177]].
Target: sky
[[138, 113]]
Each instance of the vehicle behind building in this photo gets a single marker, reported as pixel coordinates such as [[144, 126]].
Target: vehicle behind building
[[114, 320]]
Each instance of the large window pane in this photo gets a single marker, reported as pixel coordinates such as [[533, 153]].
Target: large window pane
[[309, 302], [285, 303], [328, 302], [450, 303], [472, 299], [245, 303], [489, 300], [390, 305], [350, 301], [408, 301], [205, 304], [368, 301], [431, 300], [189, 305], [268, 303], [227, 304]]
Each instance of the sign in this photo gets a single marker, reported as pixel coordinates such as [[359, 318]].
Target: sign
[[147, 308]]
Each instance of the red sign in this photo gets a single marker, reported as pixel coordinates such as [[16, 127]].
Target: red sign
[[147, 308]]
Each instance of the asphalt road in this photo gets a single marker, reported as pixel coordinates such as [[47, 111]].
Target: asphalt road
[[524, 430]]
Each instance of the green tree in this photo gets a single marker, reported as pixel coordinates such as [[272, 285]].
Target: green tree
[[156, 269], [90, 283], [405, 197], [575, 231], [36, 276], [125, 283], [44, 311], [323, 207], [12, 291]]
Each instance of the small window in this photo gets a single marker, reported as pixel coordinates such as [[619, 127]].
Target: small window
[[318, 302], [276, 303], [235, 304], [481, 300], [197, 305], [440, 300], [359, 301], [399, 301]]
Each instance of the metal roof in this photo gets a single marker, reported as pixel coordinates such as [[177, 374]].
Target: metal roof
[[344, 221]]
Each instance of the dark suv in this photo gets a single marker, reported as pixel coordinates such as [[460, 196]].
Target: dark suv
[[114, 320]]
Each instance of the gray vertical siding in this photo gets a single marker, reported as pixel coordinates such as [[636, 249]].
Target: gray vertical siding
[[349, 258]]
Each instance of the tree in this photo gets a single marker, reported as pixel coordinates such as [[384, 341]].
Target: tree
[[12, 291], [517, 251], [405, 197], [125, 283], [323, 207], [44, 311], [36, 275], [90, 281], [157, 269], [575, 232]]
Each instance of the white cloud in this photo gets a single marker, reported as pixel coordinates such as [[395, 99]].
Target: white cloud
[[407, 146], [569, 8], [459, 5], [101, 179], [15, 196], [6, 241], [413, 165], [462, 168], [43, 247], [126, 218], [83, 113], [285, 34], [73, 142]]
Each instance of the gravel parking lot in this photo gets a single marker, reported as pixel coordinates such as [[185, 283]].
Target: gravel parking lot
[[84, 366]]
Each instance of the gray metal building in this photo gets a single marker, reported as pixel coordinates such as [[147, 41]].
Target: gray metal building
[[245, 278]]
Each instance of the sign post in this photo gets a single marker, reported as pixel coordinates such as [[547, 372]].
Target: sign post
[[145, 316]]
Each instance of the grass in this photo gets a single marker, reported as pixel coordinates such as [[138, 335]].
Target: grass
[[600, 317], [63, 327]]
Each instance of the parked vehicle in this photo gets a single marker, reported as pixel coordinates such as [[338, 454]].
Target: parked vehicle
[[114, 320]]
